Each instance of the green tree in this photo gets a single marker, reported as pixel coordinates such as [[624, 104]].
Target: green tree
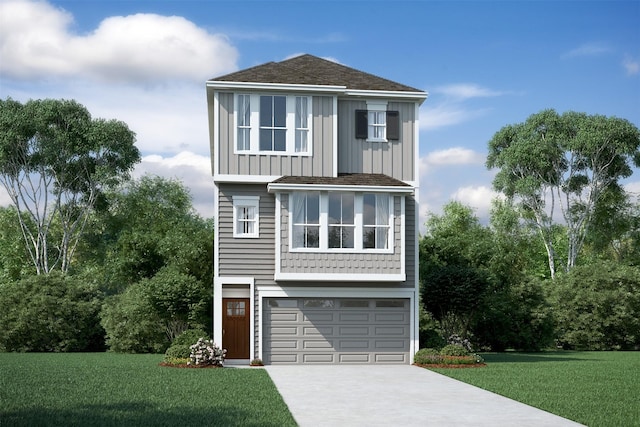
[[51, 312], [14, 260], [55, 160], [597, 307], [563, 161]]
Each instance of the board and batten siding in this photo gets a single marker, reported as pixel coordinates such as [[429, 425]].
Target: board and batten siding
[[393, 158], [319, 163]]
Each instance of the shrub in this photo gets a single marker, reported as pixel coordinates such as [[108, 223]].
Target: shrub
[[256, 362], [180, 351], [51, 312], [205, 352], [456, 339], [454, 350], [596, 307], [132, 324], [427, 356], [189, 337]]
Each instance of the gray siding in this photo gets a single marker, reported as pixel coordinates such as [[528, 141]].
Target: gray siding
[[340, 263], [320, 163], [393, 158]]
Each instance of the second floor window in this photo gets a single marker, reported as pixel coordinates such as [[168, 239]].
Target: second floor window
[[274, 124], [341, 221]]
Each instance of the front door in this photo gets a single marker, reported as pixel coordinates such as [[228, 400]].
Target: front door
[[235, 327]]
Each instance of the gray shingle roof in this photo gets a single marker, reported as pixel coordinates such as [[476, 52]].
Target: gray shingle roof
[[311, 70], [364, 179]]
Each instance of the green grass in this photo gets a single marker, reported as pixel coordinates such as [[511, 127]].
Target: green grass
[[106, 389], [592, 388]]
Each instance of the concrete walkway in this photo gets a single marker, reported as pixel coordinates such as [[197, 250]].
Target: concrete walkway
[[400, 395]]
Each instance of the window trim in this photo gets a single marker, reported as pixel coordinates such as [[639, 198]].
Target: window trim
[[241, 202], [364, 127], [358, 220], [291, 125]]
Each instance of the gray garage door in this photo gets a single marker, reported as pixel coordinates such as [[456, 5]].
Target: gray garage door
[[335, 330]]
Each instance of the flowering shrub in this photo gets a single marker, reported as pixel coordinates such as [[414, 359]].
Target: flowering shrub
[[463, 342], [205, 352], [431, 356], [454, 350]]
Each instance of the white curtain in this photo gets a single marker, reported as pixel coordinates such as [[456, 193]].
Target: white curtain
[[298, 210], [382, 218]]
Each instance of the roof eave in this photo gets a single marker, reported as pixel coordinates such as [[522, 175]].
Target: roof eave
[[275, 187]]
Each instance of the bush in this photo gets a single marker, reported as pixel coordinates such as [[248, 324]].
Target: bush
[[597, 307], [189, 337], [131, 323], [454, 350], [179, 351], [205, 352], [427, 356], [50, 312]]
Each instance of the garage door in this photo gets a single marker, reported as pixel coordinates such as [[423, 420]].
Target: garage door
[[335, 330]]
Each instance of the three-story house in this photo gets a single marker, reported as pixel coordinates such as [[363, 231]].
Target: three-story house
[[315, 166]]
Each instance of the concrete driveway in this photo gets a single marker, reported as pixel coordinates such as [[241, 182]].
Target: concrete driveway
[[402, 395]]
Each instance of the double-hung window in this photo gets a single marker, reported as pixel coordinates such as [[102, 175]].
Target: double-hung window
[[377, 124], [341, 225], [306, 220], [273, 124], [246, 216], [375, 227]]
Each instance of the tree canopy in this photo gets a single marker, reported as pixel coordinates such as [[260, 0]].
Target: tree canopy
[[571, 162], [55, 160]]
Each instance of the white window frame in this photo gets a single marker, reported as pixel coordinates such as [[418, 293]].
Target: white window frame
[[376, 121], [240, 202], [294, 125], [358, 233]]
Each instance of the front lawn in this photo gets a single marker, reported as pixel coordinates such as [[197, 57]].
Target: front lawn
[[592, 388], [97, 389]]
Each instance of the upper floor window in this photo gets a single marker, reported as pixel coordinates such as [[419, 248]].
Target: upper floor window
[[246, 216], [306, 220], [377, 124], [341, 221], [274, 124]]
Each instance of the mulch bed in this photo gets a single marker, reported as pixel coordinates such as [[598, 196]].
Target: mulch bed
[[453, 366]]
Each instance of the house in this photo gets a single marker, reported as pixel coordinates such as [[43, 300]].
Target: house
[[315, 166]]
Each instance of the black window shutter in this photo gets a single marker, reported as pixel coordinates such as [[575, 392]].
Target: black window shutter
[[393, 125], [361, 124]]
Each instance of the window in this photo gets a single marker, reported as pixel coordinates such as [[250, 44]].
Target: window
[[341, 220], [275, 124], [306, 220], [376, 124], [246, 216], [244, 123], [375, 227]]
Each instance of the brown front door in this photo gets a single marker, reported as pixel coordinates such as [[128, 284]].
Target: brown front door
[[235, 327]]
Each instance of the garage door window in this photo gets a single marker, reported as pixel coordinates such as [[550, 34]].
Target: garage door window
[[356, 303], [389, 304], [319, 303]]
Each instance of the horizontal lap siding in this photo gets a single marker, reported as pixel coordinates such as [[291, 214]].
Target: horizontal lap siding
[[320, 163], [393, 158], [246, 257]]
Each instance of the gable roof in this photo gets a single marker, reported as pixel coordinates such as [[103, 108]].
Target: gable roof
[[310, 70]]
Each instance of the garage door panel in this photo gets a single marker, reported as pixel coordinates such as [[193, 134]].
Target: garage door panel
[[359, 331]]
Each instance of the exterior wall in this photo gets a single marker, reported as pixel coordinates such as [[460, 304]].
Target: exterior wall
[[339, 262], [393, 158], [320, 163]]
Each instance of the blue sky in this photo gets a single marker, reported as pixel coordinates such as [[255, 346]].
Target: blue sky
[[484, 64]]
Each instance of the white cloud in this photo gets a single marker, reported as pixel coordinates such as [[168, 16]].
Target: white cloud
[[192, 169], [588, 49], [633, 188], [36, 42], [631, 65], [478, 197], [454, 156], [462, 91], [446, 115]]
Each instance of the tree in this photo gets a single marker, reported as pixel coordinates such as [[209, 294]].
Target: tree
[[14, 260], [55, 160], [568, 161]]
